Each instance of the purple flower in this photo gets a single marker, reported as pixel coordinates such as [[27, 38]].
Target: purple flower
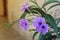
[[38, 21], [24, 24], [25, 7], [42, 28]]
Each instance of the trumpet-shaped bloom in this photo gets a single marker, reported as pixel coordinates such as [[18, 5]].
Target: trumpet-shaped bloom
[[40, 24], [24, 24], [25, 7], [38, 21], [43, 28]]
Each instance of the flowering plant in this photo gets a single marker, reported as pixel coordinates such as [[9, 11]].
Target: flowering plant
[[41, 21]]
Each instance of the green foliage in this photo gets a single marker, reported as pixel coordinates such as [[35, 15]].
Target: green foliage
[[32, 30], [7, 26], [49, 19], [52, 22], [52, 6], [50, 1], [35, 9], [23, 15], [47, 36], [34, 35], [44, 9], [58, 20], [33, 6], [41, 36], [34, 1]]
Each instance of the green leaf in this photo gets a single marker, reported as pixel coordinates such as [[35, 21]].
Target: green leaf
[[46, 37], [33, 6], [41, 36], [57, 20], [52, 6], [52, 22], [49, 38], [32, 30], [34, 3], [44, 9], [24, 14], [34, 35], [59, 29], [53, 0], [59, 35], [49, 2], [36, 11]]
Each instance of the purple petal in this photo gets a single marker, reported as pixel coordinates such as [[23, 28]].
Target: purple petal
[[42, 28], [24, 24], [25, 7], [26, 28], [38, 20], [38, 29], [45, 29], [42, 19]]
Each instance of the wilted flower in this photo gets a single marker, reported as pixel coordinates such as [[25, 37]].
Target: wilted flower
[[25, 7], [38, 21], [24, 24], [43, 28]]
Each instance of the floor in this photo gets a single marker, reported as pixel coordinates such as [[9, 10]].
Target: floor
[[8, 34]]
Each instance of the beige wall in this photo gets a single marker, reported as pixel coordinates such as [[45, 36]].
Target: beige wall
[[1, 7]]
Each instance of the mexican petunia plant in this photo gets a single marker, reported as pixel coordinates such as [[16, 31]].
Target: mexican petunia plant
[[42, 21]]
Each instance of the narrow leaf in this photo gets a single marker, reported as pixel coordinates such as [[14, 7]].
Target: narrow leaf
[[53, 6], [24, 14], [49, 2], [34, 3], [33, 6], [58, 20], [32, 30], [46, 37], [34, 35], [52, 22], [41, 36], [44, 9], [52, 0]]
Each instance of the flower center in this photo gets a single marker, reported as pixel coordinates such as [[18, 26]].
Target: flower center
[[25, 23], [40, 23], [43, 27]]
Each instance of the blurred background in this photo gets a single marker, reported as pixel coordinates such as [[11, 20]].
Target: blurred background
[[10, 11]]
